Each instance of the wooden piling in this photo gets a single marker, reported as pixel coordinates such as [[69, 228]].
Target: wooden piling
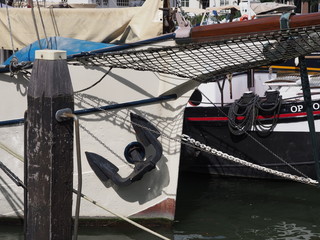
[[49, 149]]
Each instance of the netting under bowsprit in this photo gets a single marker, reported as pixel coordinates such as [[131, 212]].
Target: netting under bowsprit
[[211, 60]]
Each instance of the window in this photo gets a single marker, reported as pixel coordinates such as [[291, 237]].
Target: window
[[122, 3], [205, 4], [136, 3], [101, 3], [224, 2], [184, 3]]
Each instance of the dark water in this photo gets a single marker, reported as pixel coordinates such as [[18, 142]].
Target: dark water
[[228, 209]]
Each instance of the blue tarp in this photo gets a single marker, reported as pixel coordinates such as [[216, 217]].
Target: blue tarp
[[72, 46], [2, 5]]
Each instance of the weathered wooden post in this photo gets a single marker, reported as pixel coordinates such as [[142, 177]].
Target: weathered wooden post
[[49, 149]]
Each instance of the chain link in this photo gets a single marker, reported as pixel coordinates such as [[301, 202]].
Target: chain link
[[213, 151]]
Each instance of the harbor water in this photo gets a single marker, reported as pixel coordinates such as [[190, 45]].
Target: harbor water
[[228, 209]]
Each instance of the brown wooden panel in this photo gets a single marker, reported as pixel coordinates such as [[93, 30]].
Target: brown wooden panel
[[252, 26]]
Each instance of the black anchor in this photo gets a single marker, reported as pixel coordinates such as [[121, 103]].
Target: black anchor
[[147, 135]]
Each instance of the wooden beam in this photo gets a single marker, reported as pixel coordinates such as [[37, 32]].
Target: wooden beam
[[49, 149], [216, 31]]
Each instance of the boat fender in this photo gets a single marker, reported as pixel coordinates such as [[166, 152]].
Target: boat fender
[[196, 98], [147, 134]]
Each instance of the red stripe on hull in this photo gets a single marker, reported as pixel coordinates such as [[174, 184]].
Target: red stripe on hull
[[285, 115]]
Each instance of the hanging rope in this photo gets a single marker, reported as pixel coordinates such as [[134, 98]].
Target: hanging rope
[[244, 114], [241, 113], [43, 26], [122, 217], [35, 23], [10, 29], [259, 143], [270, 106], [87, 88]]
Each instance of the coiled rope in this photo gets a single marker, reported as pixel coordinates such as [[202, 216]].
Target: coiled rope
[[241, 113], [259, 143], [274, 100]]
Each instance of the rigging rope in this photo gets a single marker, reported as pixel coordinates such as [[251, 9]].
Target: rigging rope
[[11, 175], [87, 88], [10, 29], [43, 26], [11, 152], [122, 217], [35, 24]]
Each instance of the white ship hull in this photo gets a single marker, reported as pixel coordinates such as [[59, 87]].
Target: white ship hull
[[106, 133]]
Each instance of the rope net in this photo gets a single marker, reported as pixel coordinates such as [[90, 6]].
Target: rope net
[[211, 60]]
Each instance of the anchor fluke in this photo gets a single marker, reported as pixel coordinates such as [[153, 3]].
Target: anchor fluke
[[101, 166]]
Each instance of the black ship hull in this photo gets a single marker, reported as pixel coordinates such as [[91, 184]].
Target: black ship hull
[[287, 148]]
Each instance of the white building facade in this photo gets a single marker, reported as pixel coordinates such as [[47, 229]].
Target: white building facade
[[134, 3], [206, 3]]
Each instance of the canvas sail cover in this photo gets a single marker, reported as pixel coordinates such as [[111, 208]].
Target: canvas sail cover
[[266, 7], [91, 24]]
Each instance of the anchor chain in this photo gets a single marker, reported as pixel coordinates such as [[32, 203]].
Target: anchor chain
[[203, 147]]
